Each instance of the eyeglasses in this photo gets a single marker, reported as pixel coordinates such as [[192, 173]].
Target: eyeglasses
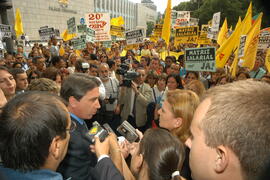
[[73, 126]]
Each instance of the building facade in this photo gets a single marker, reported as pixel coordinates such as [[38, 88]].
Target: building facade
[[55, 13], [51, 13]]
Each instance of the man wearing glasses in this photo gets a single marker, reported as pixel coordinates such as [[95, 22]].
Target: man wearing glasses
[[34, 140]]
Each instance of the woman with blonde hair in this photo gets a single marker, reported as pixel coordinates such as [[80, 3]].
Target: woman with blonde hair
[[176, 115], [196, 86]]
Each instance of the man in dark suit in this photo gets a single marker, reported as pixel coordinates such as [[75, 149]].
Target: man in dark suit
[[82, 93]]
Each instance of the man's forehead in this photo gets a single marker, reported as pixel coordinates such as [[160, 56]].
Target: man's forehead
[[201, 111]]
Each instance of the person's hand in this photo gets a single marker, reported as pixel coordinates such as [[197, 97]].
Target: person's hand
[[140, 134], [135, 87], [117, 110], [102, 148], [125, 148], [134, 148]]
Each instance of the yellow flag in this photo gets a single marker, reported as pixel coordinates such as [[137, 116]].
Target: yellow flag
[[225, 50], [66, 36], [166, 28], [267, 60], [78, 53], [234, 66], [223, 32], [118, 21], [18, 23], [61, 51], [123, 53], [247, 22], [252, 44]]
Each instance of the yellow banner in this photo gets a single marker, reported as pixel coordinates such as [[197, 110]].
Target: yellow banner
[[117, 31], [203, 35], [186, 35], [158, 30]]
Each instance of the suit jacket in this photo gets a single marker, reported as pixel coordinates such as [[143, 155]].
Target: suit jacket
[[142, 100], [107, 171], [79, 161]]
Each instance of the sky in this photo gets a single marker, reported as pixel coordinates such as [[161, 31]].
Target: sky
[[162, 4]]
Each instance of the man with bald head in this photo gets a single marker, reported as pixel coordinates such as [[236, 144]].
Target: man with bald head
[[110, 103]]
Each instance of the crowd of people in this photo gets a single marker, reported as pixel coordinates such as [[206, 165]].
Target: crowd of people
[[191, 125]]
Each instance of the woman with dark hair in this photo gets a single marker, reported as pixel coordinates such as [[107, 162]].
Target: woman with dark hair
[[190, 76], [159, 158], [173, 82]]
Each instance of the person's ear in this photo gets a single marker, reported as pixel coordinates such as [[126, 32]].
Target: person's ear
[[72, 101], [221, 159], [178, 122], [55, 148]]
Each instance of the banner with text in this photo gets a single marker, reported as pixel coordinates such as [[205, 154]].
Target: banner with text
[[186, 35], [135, 36], [46, 33], [71, 24], [200, 59], [117, 31], [203, 35], [264, 39], [5, 31], [78, 43], [100, 23]]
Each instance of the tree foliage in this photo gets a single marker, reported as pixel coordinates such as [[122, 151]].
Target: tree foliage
[[150, 27], [232, 9]]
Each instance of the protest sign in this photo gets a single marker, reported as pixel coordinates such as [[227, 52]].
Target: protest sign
[[200, 59], [71, 25], [181, 19], [90, 35], [193, 22], [100, 23], [81, 28], [46, 33], [158, 30], [203, 35], [117, 31], [186, 35], [215, 22], [107, 44], [264, 39], [78, 43], [212, 34], [5, 31], [241, 49], [135, 36]]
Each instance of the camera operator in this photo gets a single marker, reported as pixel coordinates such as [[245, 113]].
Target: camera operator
[[110, 103], [134, 100]]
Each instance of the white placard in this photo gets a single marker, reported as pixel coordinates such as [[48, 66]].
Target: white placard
[[100, 23]]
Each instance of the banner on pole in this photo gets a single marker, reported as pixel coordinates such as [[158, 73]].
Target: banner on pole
[[71, 25], [186, 35], [135, 36], [200, 59], [100, 23]]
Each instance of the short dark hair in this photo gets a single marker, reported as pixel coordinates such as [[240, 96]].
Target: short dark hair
[[77, 85], [16, 71], [29, 122], [55, 60]]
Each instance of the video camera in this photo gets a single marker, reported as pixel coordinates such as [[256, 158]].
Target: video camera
[[128, 76]]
